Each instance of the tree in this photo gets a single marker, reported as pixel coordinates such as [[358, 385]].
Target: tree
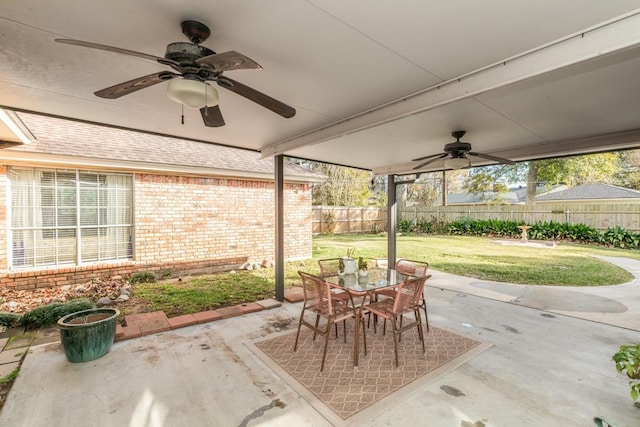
[[343, 186], [572, 171]]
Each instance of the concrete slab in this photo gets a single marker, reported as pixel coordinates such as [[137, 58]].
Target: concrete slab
[[20, 341], [11, 356], [7, 368], [269, 303], [540, 370]]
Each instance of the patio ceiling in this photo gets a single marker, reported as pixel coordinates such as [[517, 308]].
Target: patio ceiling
[[375, 84]]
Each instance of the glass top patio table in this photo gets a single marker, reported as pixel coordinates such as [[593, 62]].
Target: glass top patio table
[[363, 286], [376, 279]]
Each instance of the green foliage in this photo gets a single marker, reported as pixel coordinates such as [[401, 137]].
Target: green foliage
[[12, 376], [551, 230], [627, 361], [9, 319], [422, 225], [621, 238], [362, 264], [49, 314], [405, 226], [142, 277], [487, 227], [165, 274]]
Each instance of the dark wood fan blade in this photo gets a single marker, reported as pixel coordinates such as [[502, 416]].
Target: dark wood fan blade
[[126, 88], [146, 56], [426, 157], [212, 116], [428, 162], [494, 158], [258, 97], [231, 60]]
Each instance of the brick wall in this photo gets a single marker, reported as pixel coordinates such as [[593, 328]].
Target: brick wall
[[188, 224]]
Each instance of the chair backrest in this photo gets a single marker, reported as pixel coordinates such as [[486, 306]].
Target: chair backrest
[[412, 268], [317, 293], [409, 295], [329, 267]]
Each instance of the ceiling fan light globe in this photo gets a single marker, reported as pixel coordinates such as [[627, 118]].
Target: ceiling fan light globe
[[456, 163], [192, 93]]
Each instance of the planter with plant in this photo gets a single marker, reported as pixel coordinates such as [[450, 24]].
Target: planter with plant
[[341, 267], [350, 266], [362, 267], [627, 361]]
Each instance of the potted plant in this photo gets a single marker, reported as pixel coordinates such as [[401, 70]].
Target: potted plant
[[341, 267], [88, 334], [362, 266], [350, 266], [627, 361]]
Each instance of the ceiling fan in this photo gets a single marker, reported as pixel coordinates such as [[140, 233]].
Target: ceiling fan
[[457, 155], [194, 67]]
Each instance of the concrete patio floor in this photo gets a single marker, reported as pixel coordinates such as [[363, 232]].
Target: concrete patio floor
[[548, 365]]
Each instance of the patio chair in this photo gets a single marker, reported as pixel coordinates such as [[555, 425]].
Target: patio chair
[[417, 269], [404, 301], [319, 300], [329, 267]]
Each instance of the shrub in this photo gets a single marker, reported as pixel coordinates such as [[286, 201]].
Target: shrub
[[49, 314], [9, 319], [405, 226], [142, 277]]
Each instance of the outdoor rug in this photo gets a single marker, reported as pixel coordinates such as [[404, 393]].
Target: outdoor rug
[[356, 393]]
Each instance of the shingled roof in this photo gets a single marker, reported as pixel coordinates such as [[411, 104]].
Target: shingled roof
[[590, 192], [79, 140]]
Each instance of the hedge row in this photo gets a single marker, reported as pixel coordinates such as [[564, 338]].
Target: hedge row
[[552, 230], [44, 316]]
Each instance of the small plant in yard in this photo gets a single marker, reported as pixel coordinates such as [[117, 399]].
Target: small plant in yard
[[142, 277], [49, 314], [362, 264], [627, 361], [341, 266], [9, 319]]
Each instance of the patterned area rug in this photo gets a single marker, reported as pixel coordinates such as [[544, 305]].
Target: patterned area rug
[[347, 391]]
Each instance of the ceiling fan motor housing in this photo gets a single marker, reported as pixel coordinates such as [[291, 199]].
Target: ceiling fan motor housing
[[186, 53], [457, 147]]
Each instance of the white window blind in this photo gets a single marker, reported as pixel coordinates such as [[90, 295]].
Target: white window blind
[[62, 217]]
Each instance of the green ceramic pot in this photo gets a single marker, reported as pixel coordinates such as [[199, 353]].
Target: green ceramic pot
[[87, 335]]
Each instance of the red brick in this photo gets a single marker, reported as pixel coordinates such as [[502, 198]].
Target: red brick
[[130, 331], [182, 321], [207, 316], [250, 307], [232, 311]]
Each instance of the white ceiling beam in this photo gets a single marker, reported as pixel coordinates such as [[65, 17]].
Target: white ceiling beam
[[600, 143], [607, 38]]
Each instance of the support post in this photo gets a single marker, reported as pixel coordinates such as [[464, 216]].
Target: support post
[[392, 220], [279, 226]]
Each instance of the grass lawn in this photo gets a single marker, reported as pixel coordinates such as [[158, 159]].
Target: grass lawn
[[565, 265]]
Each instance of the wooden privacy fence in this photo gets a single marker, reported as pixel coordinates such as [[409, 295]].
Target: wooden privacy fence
[[340, 219]]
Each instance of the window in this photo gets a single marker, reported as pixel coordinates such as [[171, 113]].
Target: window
[[64, 217]]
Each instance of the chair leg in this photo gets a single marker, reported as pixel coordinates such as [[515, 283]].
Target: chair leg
[[344, 327], [364, 336], [395, 338], [315, 331], [426, 317], [420, 330], [326, 342], [295, 346]]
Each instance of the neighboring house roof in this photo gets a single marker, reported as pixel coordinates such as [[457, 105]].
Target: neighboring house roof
[[590, 192], [484, 198], [73, 139]]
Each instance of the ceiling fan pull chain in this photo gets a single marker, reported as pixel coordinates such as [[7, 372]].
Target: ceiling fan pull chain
[[182, 106]]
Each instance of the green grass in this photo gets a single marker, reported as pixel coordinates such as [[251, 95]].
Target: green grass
[[566, 265]]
